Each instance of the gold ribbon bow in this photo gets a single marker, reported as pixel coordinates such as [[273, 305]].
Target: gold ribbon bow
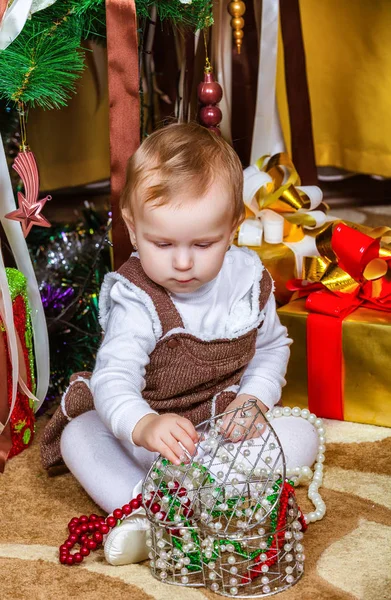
[[283, 195]]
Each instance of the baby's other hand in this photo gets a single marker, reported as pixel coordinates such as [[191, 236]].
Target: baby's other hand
[[164, 434], [236, 432]]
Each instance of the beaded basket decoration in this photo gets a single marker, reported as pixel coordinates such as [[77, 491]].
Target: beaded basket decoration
[[227, 519]]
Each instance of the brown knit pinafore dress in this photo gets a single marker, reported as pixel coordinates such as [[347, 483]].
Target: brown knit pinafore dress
[[185, 375]]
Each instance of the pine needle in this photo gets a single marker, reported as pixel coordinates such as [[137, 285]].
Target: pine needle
[[40, 67]]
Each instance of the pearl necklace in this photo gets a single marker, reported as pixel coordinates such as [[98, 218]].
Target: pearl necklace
[[305, 473]]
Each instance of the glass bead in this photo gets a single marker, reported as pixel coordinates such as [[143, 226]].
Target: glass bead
[[163, 575], [289, 570], [300, 557], [266, 589], [233, 590], [233, 581], [231, 560], [263, 558], [288, 557], [233, 570], [214, 587], [265, 580], [290, 579], [185, 579]]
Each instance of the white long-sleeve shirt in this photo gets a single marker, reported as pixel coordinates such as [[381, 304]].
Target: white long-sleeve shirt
[[226, 307]]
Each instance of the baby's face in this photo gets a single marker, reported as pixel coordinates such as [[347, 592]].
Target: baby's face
[[182, 244]]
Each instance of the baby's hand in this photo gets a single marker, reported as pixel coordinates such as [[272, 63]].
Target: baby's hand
[[164, 433], [234, 431]]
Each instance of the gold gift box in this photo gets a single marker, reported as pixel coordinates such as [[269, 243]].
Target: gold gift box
[[366, 341]]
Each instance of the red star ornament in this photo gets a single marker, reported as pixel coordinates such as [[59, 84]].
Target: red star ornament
[[29, 214], [29, 211]]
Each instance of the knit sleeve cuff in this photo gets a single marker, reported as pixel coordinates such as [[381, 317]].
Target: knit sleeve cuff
[[124, 423]]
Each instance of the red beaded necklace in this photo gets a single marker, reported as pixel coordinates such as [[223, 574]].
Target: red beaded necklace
[[88, 532]]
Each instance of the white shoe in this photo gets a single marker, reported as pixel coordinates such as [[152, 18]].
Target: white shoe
[[126, 543]]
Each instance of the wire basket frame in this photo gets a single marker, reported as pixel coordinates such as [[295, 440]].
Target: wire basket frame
[[221, 518]]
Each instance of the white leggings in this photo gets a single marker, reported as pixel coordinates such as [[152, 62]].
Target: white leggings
[[109, 468]]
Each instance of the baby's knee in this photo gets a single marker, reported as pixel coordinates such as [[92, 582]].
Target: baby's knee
[[299, 440]]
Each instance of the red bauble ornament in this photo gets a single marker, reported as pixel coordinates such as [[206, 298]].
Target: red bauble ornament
[[210, 116], [209, 91], [209, 94]]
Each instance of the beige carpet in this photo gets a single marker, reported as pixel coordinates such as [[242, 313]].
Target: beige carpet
[[348, 553]]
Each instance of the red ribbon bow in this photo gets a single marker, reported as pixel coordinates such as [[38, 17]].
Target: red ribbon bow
[[354, 271]]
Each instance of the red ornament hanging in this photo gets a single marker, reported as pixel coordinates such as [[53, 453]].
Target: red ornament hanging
[[209, 94], [29, 211]]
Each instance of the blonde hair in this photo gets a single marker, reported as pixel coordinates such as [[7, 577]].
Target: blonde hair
[[182, 158]]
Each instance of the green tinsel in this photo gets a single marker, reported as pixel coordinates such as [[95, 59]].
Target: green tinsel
[[70, 262]]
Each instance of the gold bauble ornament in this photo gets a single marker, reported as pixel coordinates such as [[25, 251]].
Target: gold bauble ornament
[[237, 10]]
